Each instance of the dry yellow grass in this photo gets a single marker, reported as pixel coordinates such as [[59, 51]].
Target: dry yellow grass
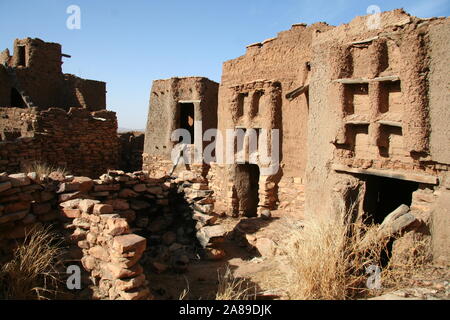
[[399, 273], [327, 259], [232, 288], [43, 169], [32, 274]]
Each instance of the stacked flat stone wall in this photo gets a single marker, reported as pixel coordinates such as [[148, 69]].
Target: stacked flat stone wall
[[82, 142]]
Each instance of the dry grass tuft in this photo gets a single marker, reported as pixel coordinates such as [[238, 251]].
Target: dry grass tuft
[[231, 288], [327, 259], [184, 294], [43, 169], [32, 274], [399, 273]]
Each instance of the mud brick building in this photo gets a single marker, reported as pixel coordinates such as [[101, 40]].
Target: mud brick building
[[33, 76], [378, 132], [362, 116], [178, 103], [267, 88], [51, 117]]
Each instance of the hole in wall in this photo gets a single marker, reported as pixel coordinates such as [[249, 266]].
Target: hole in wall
[[384, 195], [390, 141], [357, 99], [21, 56], [242, 97], [391, 97], [247, 188], [16, 99], [256, 98], [187, 120]]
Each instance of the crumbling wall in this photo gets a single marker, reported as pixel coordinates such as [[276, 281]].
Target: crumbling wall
[[102, 240], [83, 93], [35, 72], [131, 149], [17, 122], [83, 142], [247, 99], [114, 225], [369, 101], [375, 101]]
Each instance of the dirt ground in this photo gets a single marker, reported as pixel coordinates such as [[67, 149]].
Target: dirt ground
[[201, 281]]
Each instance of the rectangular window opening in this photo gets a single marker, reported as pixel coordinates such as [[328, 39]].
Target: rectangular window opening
[[187, 118], [21, 55]]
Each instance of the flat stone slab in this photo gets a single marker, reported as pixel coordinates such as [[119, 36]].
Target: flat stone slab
[[128, 242], [206, 234]]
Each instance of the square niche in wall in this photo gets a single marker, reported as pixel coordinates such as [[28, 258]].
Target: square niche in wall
[[356, 98]]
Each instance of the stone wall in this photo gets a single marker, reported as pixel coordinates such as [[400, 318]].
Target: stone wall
[[107, 224], [82, 142]]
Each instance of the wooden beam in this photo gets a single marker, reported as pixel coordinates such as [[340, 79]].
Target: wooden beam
[[352, 81], [295, 93], [365, 41], [416, 177], [390, 123], [357, 123], [386, 78], [365, 80], [189, 101]]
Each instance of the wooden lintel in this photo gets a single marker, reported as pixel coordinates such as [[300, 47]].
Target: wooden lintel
[[357, 122], [390, 123], [365, 80], [408, 176], [364, 41], [189, 101], [295, 93]]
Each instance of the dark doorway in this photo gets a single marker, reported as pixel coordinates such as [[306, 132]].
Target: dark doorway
[[384, 195], [16, 99], [187, 119], [247, 185], [21, 55]]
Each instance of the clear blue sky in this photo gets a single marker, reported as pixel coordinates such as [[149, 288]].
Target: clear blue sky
[[130, 43]]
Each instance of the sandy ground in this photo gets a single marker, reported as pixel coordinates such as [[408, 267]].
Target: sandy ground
[[201, 281]]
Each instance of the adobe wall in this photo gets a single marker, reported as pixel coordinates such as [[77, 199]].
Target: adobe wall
[[83, 142], [272, 79], [439, 90], [283, 59], [376, 109], [83, 93], [164, 116], [439, 100]]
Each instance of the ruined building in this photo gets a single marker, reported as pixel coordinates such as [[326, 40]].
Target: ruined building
[[362, 114], [51, 117], [353, 119], [178, 103], [378, 130]]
